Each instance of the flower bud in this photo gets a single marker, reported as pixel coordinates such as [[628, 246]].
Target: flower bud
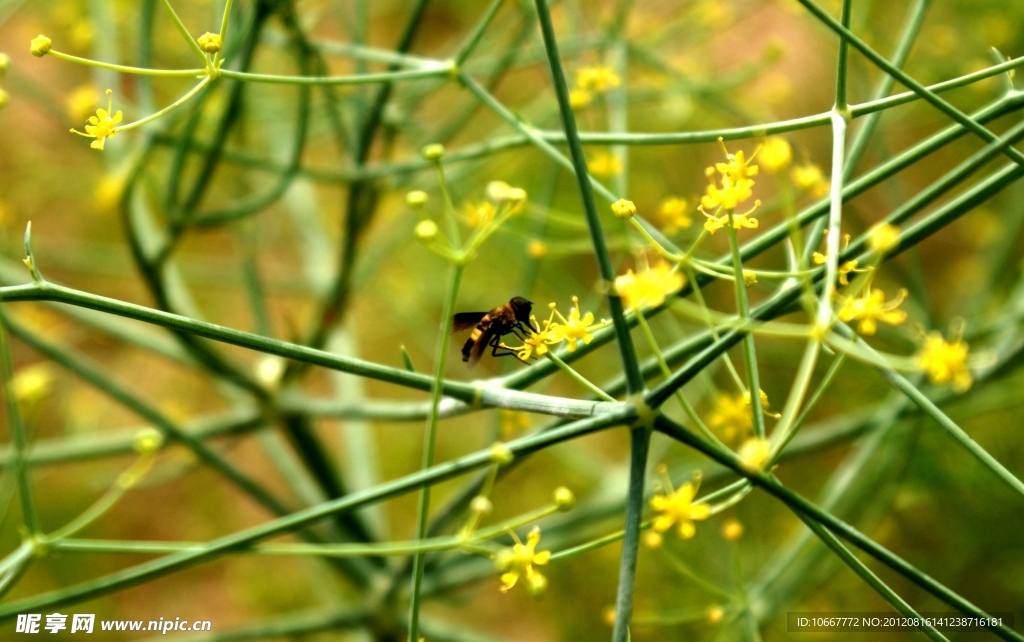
[[416, 198], [481, 505], [749, 278], [426, 230], [5, 63], [501, 454], [652, 539], [433, 152], [564, 499], [210, 42], [537, 584], [40, 46], [147, 441], [732, 530], [623, 208]]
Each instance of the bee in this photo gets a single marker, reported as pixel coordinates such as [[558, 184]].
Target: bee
[[489, 327]]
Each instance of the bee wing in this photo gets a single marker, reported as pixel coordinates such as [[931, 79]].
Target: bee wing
[[466, 320], [480, 346]]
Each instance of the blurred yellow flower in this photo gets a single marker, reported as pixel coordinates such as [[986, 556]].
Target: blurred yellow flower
[[537, 249], [776, 154], [809, 177], [604, 165], [108, 191], [884, 237], [872, 308], [33, 383], [479, 214], [945, 362], [650, 286], [519, 561], [674, 215], [754, 453], [82, 102], [732, 530]]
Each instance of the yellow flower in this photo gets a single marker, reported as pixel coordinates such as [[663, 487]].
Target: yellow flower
[[776, 154], [731, 413], [108, 191], [884, 237], [479, 214], [577, 327], [519, 561], [674, 214], [739, 221], [732, 530], [677, 507], [82, 102], [945, 362], [604, 165], [103, 125], [537, 249], [648, 287], [755, 453], [210, 42], [32, 384], [872, 308], [623, 208], [809, 177], [40, 46], [514, 423], [579, 98], [598, 78]]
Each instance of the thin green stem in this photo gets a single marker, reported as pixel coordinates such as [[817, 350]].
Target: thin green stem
[[183, 30], [138, 71], [17, 429], [429, 443], [749, 353]]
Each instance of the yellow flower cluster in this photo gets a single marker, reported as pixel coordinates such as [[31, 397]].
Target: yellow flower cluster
[[736, 182], [592, 80], [871, 309], [674, 215], [731, 414], [809, 178], [945, 362], [650, 286]]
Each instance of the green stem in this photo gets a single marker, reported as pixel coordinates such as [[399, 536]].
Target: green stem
[[18, 439], [357, 79], [139, 71], [578, 378], [184, 32], [749, 353], [429, 443]]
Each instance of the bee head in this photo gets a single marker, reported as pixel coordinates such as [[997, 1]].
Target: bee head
[[521, 308]]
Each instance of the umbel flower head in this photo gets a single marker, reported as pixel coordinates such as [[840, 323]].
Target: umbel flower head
[[676, 508], [732, 415], [103, 125], [945, 361], [736, 181], [649, 286], [519, 561]]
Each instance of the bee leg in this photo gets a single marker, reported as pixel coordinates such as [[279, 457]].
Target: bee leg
[[495, 344]]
